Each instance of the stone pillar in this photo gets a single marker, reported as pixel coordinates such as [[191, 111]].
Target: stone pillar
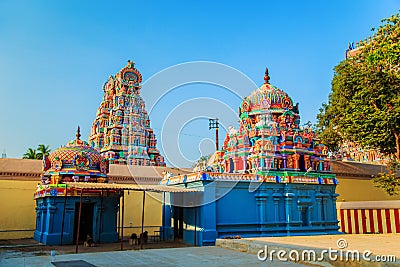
[[261, 200], [262, 163], [276, 196], [288, 196], [307, 162], [245, 167], [278, 164], [51, 209], [167, 231], [299, 209], [296, 164], [332, 207], [309, 215], [208, 215], [318, 197], [284, 158]]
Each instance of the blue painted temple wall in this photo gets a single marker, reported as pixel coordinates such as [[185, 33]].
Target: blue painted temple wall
[[248, 209]]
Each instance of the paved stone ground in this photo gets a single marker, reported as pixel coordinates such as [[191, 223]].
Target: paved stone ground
[[378, 244], [190, 256], [12, 248], [384, 249], [240, 252]]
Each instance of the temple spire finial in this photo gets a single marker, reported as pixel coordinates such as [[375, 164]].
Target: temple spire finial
[[78, 133], [131, 63], [266, 76]]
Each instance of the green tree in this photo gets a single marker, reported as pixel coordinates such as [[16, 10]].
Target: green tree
[[38, 153], [42, 150], [364, 105], [30, 154], [201, 163]]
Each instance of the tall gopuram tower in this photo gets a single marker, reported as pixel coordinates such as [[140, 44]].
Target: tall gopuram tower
[[270, 137], [121, 129]]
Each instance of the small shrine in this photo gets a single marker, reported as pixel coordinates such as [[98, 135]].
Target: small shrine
[[271, 178], [121, 130], [351, 151], [64, 214]]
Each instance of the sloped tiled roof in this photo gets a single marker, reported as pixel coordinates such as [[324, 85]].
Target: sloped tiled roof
[[29, 169], [356, 169]]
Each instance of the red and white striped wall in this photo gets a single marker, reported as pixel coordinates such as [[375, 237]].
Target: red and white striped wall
[[365, 217]]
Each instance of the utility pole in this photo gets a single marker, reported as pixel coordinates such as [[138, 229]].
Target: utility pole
[[213, 124]]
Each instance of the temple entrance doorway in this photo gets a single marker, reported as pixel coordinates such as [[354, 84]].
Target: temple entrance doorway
[[304, 217], [178, 223], [86, 223]]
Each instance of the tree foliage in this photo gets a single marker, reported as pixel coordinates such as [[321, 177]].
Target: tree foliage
[[42, 151], [364, 105], [201, 163], [38, 153], [30, 154]]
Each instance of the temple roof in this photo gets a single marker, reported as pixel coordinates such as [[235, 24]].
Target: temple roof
[[270, 97], [267, 99], [16, 167], [76, 156], [31, 170]]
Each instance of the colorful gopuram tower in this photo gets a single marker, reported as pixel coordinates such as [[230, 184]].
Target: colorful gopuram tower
[[270, 137], [121, 129], [61, 215]]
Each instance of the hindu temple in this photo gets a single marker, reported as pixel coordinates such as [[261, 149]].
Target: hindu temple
[[121, 130], [65, 215], [271, 178]]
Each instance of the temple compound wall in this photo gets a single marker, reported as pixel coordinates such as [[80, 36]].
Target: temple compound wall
[[19, 177]]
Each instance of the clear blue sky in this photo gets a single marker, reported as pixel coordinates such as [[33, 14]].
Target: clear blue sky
[[56, 55]]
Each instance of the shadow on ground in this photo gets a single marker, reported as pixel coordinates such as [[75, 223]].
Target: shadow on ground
[[16, 248]]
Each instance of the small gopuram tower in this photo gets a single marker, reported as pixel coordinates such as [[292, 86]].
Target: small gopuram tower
[[271, 178], [121, 129], [61, 211]]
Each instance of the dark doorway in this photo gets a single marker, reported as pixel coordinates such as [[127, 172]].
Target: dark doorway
[[304, 217], [86, 225], [231, 165], [302, 164], [178, 222]]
